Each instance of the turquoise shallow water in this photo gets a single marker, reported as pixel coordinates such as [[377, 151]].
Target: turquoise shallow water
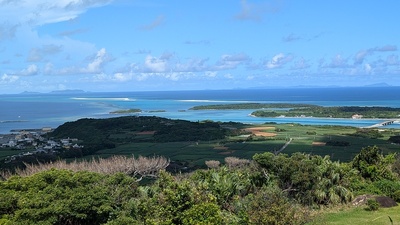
[[51, 110]]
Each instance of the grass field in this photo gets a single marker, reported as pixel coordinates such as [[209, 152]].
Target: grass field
[[359, 216]]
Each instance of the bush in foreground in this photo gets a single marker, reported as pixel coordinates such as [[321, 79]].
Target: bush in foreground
[[64, 197]]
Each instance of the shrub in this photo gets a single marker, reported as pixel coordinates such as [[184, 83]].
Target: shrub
[[396, 196], [373, 165], [212, 164], [234, 162], [141, 166], [372, 205], [271, 206], [387, 187], [395, 139], [203, 214], [64, 197]]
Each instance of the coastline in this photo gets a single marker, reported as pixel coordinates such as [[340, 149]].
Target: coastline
[[313, 117], [373, 122]]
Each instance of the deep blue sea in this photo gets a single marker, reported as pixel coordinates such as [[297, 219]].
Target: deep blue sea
[[23, 111]]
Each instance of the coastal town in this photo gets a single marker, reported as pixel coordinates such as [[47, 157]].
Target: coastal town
[[30, 142]]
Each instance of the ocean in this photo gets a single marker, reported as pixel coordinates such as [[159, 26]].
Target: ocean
[[34, 111]]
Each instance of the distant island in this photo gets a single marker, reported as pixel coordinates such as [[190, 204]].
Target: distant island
[[67, 91], [250, 106], [126, 111], [308, 110]]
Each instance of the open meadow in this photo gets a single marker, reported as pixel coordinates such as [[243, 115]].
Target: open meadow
[[358, 216]]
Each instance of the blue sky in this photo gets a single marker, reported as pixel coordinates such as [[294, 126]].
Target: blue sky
[[129, 45]]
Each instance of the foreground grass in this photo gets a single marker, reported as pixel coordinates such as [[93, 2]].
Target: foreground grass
[[359, 216]]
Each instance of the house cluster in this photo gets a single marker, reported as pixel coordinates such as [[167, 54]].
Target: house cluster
[[357, 116], [34, 143]]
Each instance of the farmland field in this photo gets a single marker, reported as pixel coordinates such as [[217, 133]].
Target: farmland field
[[308, 139]]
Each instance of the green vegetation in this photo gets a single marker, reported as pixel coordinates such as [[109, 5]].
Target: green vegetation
[[97, 134], [250, 179], [251, 106], [333, 112], [307, 110], [359, 216], [395, 139], [271, 189], [192, 143], [126, 111], [63, 197], [156, 111]]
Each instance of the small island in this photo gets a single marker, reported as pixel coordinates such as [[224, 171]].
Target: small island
[[156, 111], [250, 106], [126, 111], [354, 112], [308, 110]]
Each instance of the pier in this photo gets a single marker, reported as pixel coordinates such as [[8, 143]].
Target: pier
[[384, 123]]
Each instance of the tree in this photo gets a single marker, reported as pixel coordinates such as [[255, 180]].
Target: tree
[[310, 179], [373, 165]]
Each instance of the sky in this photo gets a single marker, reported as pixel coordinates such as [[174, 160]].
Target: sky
[[146, 45]]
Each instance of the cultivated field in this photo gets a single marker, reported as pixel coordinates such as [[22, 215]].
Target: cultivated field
[[258, 139]]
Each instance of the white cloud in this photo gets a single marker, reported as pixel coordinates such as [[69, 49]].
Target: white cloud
[[41, 12], [367, 68], [122, 77], [360, 56], [337, 62], [96, 65], [210, 73], [229, 61], [31, 70], [154, 64], [48, 68], [192, 65], [250, 77], [228, 76], [173, 76], [278, 61], [6, 79], [93, 67], [143, 76]]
